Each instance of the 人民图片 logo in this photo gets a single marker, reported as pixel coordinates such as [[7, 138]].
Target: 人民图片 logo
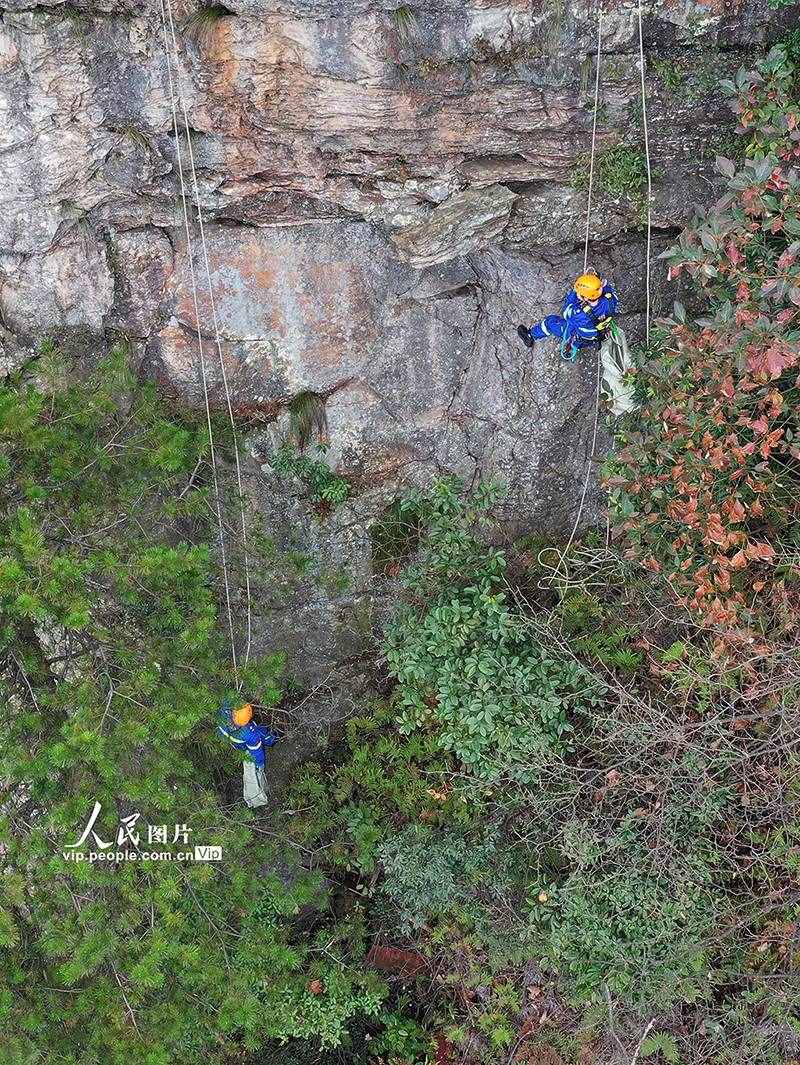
[[129, 843]]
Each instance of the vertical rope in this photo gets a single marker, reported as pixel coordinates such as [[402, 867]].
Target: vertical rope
[[649, 174], [218, 341], [203, 369], [560, 568], [594, 136]]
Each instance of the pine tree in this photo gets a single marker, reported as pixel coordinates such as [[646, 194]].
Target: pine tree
[[113, 666]]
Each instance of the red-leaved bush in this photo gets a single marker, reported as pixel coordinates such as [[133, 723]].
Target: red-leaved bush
[[706, 479]]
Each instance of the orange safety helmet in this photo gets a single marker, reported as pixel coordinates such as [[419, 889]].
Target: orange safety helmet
[[243, 715], [589, 287]]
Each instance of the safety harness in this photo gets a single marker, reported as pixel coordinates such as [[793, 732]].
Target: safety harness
[[600, 323]]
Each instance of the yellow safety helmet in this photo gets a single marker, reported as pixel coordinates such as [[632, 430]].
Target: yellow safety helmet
[[243, 715], [589, 287]]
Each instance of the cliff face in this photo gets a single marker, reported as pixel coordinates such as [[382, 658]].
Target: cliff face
[[387, 190]]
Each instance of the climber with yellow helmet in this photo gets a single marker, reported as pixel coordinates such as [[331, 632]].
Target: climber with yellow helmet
[[238, 727], [588, 310]]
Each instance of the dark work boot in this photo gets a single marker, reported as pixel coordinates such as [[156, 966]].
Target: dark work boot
[[525, 336]]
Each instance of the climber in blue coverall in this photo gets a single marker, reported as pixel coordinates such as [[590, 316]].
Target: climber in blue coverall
[[237, 726], [587, 312]]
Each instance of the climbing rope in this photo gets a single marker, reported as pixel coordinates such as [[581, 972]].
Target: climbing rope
[[168, 20], [649, 176], [594, 137], [560, 569]]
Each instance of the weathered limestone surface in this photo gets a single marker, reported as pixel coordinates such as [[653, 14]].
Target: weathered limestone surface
[[384, 195]]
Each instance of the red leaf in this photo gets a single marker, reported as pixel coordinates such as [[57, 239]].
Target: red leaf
[[773, 361], [736, 511], [734, 254]]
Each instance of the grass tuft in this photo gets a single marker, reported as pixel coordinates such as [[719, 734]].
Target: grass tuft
[[307, 419], [200, 25], [406, 24], [620, 174]]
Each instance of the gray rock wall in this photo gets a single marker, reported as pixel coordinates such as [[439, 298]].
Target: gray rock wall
[[387, 190]]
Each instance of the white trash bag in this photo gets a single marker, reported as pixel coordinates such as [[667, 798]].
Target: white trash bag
[[254, 785], [615, 360]]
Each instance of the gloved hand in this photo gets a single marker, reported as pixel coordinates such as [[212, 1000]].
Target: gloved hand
[[524, 335]]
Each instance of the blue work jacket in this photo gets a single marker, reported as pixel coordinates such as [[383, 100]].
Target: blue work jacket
[[251, 738], [586, 322]]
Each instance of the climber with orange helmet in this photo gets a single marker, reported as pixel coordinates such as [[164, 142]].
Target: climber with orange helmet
[[237, 726], [588, 310]]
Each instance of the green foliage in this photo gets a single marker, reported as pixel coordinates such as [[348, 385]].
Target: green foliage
[[324, 486], [620, 175], [790, 43], [597, 636], [395, 537], [766, 101], [113, 668], [379, 782], [427, 875], [670, 74], [624, 852], [661, 1043], [466, 663], [599, 938], [401, 1039]]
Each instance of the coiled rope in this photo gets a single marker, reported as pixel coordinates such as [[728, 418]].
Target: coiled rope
[[167, 20]]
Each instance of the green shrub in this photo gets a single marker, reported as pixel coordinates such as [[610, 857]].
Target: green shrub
[[669, 74], [113, 667], [395, 537], [427, 875], [466, 662], [379, 782], [638, 933], [324, 486], [406, 24], [620, 174], [308, 419]]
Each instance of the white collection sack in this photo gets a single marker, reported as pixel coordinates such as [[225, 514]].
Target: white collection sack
[[615, 359], [254, 785]]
